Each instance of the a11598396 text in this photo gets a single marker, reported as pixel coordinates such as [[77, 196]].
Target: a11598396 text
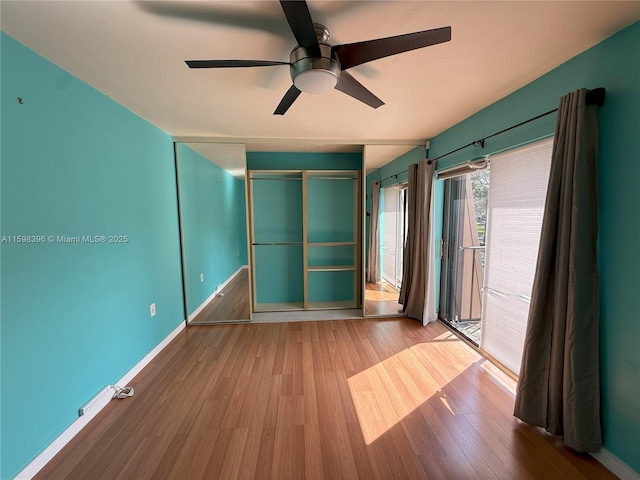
[[63, 239]]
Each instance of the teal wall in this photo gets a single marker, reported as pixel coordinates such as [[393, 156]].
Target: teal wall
[[75, 317], [303, 161], [615, 65], [277, 218], [331, 210], [395, 172], [213, 224], [279, 274], [277, 210]]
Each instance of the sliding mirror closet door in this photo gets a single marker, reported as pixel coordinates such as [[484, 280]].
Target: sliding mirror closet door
[[213, 232], [277, 241], [381, 297]]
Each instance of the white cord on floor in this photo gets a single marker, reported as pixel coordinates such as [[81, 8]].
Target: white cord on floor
[[122, 392]]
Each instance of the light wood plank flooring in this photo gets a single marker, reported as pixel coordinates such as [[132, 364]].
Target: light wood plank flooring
[[368, 399], [381, 300]]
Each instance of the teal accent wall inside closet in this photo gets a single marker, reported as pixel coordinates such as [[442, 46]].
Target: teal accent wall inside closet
[[277, 218], [75, 316], [330, 212], [277, 211]]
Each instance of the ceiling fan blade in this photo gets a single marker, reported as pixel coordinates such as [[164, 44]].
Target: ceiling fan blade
[[287, 100], [216, 13], [349, 85], [353, 54], [231, 63], [299, 19]]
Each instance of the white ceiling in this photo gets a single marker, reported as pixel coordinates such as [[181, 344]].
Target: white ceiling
[[134, 52]]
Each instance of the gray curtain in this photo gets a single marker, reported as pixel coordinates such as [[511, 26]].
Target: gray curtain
[[559, 386], [373, 261], [417, 294]]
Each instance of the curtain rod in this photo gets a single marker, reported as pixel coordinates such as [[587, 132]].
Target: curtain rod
[[594, 97]]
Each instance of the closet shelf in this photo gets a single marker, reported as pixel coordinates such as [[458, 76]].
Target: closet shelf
[[330, 268], [277, 178], [276, 243], [329, 244]]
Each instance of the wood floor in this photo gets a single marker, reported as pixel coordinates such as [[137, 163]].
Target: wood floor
[[368, 399], [381, 300], [232, 305]]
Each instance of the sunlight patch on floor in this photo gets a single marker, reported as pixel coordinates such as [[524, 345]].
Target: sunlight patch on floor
[[387, 392]]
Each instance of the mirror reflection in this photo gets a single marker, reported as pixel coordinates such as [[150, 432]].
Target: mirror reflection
[[386, 165], [211, 191]]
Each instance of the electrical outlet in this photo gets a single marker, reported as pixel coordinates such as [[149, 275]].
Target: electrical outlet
[[238, 253], [202, 277], [152, 309]]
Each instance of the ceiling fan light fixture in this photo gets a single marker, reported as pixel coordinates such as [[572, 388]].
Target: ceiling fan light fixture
[[315, 81], [312, 74]]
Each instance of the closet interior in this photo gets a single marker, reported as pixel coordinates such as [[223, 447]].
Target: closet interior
[[305, 239]]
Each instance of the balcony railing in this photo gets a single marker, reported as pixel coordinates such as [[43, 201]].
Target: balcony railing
[[475, 286]]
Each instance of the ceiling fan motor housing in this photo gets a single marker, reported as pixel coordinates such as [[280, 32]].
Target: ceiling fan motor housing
[[313, 74]]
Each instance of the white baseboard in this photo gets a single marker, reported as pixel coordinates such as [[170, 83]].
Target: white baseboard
[[204, 304], [150, 356], [65, 437], [617, 466]]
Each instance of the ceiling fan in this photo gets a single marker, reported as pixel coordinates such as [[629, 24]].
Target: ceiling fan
[[317, 67]]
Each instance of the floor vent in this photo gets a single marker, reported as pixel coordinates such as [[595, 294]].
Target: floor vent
[[99, 400]]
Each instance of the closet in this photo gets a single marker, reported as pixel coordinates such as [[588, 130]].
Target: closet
[[305, 239]]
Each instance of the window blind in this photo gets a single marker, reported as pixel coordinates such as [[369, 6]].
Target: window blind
[[515, 208]]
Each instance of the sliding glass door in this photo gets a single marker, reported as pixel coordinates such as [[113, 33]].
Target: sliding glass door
[[491, 231], [463, 247]]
